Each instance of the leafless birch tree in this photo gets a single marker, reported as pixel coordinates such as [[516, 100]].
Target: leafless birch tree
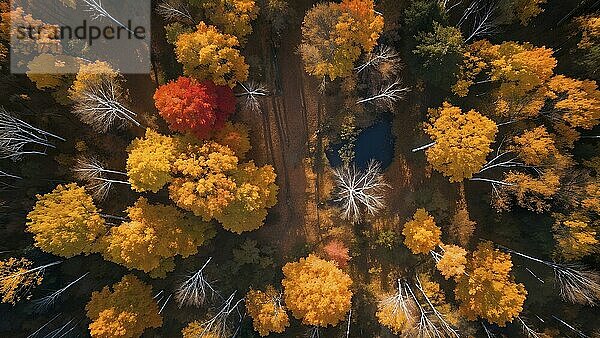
[[576, 284], [101, 107], [18, 138], [175, 12], [195, 289], [360, 191], [387, 94], [252, 93], [220, 324], [98, 179], [47, 302]]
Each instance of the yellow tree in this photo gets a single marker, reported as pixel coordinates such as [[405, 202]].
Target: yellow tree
[[453, 261], [207, 54], [461, 141], [17, 278], [154, 235], [90, 76], [316, 291], [534, 146], [591, 200], [267, 311], [488, 290], [528, 192], [204, 184], [519, 72], [235, 136], [334, 35], [65, 222], [125, 311], [232, 16], [575, 236], [578, 102], [421, 234], [149, 161], [255, 192]]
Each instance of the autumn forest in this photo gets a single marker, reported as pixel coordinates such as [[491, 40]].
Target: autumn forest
[[303, 168]]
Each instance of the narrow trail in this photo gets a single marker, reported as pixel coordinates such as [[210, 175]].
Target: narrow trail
[[291, 114]]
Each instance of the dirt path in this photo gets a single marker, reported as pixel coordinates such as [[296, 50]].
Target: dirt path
[[289, 117]]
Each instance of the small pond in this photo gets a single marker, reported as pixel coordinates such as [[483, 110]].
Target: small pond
[[373, 143]]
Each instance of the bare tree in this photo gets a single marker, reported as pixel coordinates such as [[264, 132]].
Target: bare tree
[[159, 299], [220, 324], [528, 331], [313, 332], [487, 331], [195, 289], [388, 94], [571, 327], [360, 190], [18, 138], [98, 12], [15, 280], [97, 177], [576, 284], [101, 106], [381, 55], [46, 302], [175, 12], [36, 332], [252, 93], [484, 23], [402, 303], [447, 329]]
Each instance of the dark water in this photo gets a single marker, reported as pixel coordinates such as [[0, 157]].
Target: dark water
[[373, 143]]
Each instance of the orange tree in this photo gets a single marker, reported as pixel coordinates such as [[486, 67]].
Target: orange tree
[[195, 107], [316, 291], [17, 279], [125, 311], [66, 222]]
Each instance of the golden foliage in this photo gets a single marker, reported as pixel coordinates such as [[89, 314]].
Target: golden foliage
[[421, 234], [462, 141], [529, 192], [267, 312], [520, 71], [149, 161], [195, 330], [575, 237], [316, 291], [15, 281], [65, 222], [90, 76], [125, 312], [534, 146], [488, 290], [204, 184], [207, 54], [592, 197], [453, 261], [232, 16], [579, 101], [236, 137], [154, 235], [527, 9], [255, 192], [333, 36]]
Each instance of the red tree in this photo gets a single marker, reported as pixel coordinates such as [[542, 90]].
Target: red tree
[[337, 252], [195, 107]]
